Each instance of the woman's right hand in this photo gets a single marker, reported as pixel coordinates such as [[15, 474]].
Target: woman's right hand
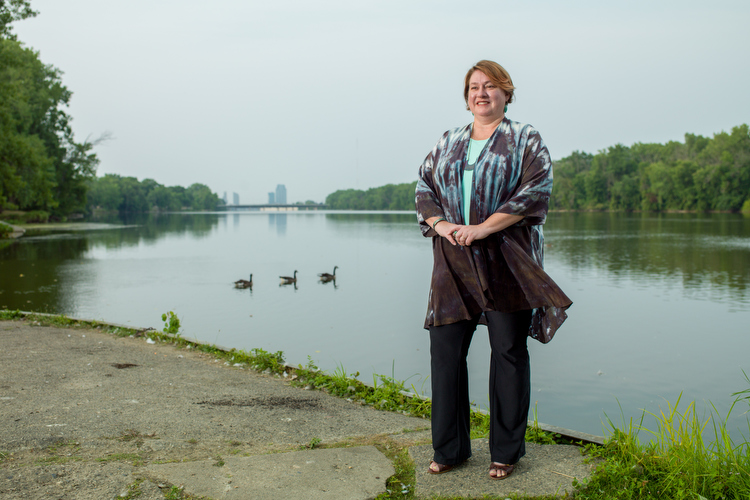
[[446, 230]]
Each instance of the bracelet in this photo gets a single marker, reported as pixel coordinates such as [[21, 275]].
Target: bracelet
[[438, 220]]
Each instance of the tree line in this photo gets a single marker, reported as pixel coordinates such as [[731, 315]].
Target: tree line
[[112, 192], [388, 197], [42, 166], [701, 174]]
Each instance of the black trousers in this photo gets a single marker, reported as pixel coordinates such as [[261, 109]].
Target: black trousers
[[510, 386]]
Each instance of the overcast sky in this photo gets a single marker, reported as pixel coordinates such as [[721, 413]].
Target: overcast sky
[[243, 95]]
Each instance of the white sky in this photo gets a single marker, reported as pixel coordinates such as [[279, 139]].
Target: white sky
[[243, 95]]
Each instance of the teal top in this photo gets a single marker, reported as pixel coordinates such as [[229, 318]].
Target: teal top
[[475, 148]]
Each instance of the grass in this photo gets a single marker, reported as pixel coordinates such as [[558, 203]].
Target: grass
[[314, 442], [134, 491], [133, 458], [677, 463]]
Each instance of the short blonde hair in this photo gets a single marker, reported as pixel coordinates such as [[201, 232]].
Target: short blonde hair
[[495, 73]]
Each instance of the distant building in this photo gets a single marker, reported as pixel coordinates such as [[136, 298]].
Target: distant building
[[281, 194], [235, 198], [271, 198], [224, 198]]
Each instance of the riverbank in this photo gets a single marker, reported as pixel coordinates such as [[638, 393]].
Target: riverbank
[[88, 414], [16, 231]]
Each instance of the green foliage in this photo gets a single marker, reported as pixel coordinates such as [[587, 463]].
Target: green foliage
[[314, 442], [677, 463], [42, 167], [31, 217], [13, 10], [171, 323], [5, 230], [7, 315], [112, 192], [134, 491], [700, 174], [388, 197]]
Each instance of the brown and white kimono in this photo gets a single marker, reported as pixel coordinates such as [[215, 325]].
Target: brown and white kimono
[[503, 272]]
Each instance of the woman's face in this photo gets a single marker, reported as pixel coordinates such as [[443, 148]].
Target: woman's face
[[485, 98]]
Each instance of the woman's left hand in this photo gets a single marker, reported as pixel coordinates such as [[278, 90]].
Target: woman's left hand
[[468, 234]]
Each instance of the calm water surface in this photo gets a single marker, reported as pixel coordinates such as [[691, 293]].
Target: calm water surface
[[661, 302]]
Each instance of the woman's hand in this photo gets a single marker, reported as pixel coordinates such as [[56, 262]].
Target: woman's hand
[[466, 235], [447, 230]]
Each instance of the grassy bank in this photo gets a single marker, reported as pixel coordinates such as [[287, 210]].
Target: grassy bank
[[686, 458]]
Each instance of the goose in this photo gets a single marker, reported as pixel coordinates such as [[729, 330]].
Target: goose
[[325, 277], [244, 283], [287, 280]]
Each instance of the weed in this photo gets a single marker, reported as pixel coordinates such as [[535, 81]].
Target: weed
[[134, 458], [56, 447], [193, 441], [174, 493], [9, 315], [134, 491], [132, 434], [262, 360], [59, 460], [171, 323], [676, 463], [314, 442], [219, 461], [535, 434], [401, 484]]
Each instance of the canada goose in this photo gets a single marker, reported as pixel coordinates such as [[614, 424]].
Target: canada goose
[[325, 277], [244, 283], [287, 280]]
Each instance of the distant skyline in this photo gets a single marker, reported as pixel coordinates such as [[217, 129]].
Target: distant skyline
[[327, 95]]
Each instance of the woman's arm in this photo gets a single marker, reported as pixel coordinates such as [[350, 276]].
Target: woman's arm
[[496, 222], [444, 228]]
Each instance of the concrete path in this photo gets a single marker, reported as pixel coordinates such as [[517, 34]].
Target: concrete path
[[88, 415]]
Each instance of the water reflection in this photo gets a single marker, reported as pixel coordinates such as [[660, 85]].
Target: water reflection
[[702, 253], [34, 269], [278, 221]]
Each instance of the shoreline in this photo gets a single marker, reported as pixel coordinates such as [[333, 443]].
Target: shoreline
[[291, 370], [96, 411]]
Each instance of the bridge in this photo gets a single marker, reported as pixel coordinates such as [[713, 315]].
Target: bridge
[[272, 207]]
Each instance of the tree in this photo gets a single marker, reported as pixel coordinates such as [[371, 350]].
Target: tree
[[11, 11], [41, 165], [200, 197]]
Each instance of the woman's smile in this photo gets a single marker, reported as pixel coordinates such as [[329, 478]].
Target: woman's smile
[[485, 98]]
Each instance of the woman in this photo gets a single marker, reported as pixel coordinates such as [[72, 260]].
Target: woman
[[482, 196]]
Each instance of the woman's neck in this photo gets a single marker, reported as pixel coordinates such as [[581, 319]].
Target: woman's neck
[[482, 129]]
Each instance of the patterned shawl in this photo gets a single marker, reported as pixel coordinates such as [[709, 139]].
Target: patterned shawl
[[513, 175]]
